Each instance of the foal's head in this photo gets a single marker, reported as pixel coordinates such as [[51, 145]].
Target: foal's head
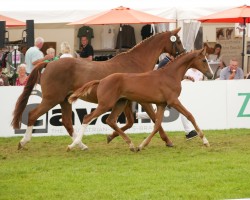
[[200, 62]]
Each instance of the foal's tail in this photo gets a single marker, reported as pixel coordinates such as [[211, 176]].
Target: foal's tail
[[21, 103], [82, 91]]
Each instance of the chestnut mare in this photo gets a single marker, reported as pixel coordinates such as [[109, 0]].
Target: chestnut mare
[[161, 87], [60, 78]]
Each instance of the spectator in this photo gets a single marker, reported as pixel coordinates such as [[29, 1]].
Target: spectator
[[232, 71], [22, 76], [86, 49], [217, 57], [34, 55], [65, 50], [3, 78], [51, 51]]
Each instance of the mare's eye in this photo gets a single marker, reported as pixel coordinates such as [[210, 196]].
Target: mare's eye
[[204, 60]]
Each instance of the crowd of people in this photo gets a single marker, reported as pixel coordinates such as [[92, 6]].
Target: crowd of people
[[34, 55]]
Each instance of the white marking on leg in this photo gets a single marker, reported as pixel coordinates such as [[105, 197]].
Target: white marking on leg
[[205, 141], [78, 139], [27, 136]]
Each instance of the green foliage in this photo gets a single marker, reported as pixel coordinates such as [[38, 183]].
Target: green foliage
[[110, 171]]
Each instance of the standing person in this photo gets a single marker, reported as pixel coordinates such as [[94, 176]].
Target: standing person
[[232, 71], [188, 127], [22, 76], [65, 50], [3, 78], [87, 50], [34, 55], [194, 75]]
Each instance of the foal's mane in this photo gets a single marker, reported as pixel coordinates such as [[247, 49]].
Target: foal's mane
[[176, 58]]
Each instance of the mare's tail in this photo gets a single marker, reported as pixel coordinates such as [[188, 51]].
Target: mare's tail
[[82, 91], [21, 103]]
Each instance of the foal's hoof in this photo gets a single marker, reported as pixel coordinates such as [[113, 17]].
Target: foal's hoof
[[68, 148], [19, 146], [170, 144], [109, 139], [206, 144]]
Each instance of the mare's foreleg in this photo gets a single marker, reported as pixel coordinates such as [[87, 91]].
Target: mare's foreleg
[[151, 113], [33, 115], [112, 119], [129, 121], [178, 106], [67, 121], [158, 120]]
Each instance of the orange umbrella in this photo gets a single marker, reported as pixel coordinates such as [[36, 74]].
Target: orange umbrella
[[10, 22], [122, 15], [234, 15]]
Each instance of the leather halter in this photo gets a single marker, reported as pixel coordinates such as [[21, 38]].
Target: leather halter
[[177, 52]]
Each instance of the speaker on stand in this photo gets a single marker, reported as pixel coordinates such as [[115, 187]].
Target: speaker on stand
[[2, 34], [30, 33]]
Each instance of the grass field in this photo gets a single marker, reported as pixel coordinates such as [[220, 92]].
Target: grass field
[[110, 171]]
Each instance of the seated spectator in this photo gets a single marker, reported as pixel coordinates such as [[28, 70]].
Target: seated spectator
[[22, 75], [51, 51], [217, 57], [233, 71], [3, 78], [65, 50]]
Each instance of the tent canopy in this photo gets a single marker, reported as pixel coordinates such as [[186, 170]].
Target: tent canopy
[[64, 11]]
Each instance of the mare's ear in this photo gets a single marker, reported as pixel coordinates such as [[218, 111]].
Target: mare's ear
[[205, 50], [175, 31]]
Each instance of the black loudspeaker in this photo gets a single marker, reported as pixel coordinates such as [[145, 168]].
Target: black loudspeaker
[[30, 33], [2, 34]]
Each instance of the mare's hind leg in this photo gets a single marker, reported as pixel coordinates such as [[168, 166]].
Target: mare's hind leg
[[112, 119], [129, 121], [67, 121], [178, 106], [150, 111], [34, 114], [158, 120]]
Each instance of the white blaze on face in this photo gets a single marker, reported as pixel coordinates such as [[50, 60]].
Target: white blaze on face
[[210, 69]]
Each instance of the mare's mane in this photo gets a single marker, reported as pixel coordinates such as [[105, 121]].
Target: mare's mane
[[140, 43]]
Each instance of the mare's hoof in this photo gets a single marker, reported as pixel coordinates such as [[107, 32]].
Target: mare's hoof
[[133, 149], [109, 139]]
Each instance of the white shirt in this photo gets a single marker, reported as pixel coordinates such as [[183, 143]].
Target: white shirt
[[32, 54], [66, 55], [196, 74]]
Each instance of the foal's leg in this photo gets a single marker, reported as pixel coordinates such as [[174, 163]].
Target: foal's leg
[[158, 120], [178, 106], [34, 114], [129, 121], [86, 121], [112, 119], [151, 113], [67, 121]]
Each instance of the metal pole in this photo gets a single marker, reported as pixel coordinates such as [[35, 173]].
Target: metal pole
[[243, 38]]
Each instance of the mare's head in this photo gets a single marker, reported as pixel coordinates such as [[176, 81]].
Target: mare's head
[[199, 61], [173, 44]]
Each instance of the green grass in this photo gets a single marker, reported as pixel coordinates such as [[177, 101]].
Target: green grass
[[110, 171]]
